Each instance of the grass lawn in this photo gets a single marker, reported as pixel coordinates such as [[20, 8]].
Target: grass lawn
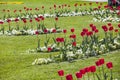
[[16, 63]]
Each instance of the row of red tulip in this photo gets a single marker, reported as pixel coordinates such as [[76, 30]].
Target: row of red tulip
[[87, 70]]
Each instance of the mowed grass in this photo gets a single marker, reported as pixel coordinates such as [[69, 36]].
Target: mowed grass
[[16, 62]]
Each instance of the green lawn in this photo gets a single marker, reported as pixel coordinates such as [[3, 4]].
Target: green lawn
[[16, 63]]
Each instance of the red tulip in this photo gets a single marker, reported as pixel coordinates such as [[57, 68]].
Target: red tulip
[[82, 34], [85, 30], [8, 20], [1, 22], [116, 30], [54, 30], [111, 28], [73, 36], [64, 31], [72, 30], [82, 71], [97, 63], [30, 20], [54, 6], [109, 24], [87, 70], [78, 75], [69, 77], [42, 7], [56, 18], [92, 68], [96, 31], [3, 10], [119, 25], [91, 25], [61, 73], [59, 40], [90, 33], [74, 44], [16, 20], [101, 61], [93, 28], [36, 32], [90, 3], [109, 65], [45, 31], [75, 4], [30, 9], [84, 3], [105, 28], [49, 49], [20, 10]]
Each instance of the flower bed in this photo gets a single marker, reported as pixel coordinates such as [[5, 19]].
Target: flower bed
[[90, 46]]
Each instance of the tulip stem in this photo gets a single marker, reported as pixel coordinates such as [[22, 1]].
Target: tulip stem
[[111, 78], [88, 75], [83, 78], [61, 78], [93, 76], [99, 71], [103, 72]]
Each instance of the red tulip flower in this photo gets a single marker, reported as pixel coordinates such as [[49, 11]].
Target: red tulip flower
[[105, 28], [49, 49], [111, 28], [16, 20], [78, 75], [109, 65], [56, 18], [61, 73], [119, 25], [69, 77], [85, 30], [8, 20], [92, 69], [82, 34], [30, 20], [72, 30], [116, 30], [82, 71], [36, 32], [97, 63], [45, 31], [96, 31], [42, 7], [109, 24], [87, 70], [1, 22], [64, 31], [54, 30], [73, 36], [74, 44], [101, 61]]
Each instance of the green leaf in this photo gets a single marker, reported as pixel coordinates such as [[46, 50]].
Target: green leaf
[[98, 76]]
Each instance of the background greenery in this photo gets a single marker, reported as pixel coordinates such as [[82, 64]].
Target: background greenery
[[16, 62]]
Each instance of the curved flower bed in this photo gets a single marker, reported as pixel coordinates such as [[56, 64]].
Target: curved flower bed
[[29, 32], [90, 46]]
